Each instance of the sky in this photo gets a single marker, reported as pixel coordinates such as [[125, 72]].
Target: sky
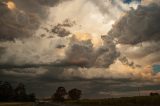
[[106, 48]]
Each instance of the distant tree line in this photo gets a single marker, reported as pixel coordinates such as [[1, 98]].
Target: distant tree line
[[154, 94], [61, 94], [18, 94]]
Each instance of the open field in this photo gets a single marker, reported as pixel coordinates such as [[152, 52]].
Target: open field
[[33, 104], [125, 101], [17, 104]]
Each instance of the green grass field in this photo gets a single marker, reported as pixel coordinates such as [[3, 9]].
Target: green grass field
[[125, 101], [16, 104]]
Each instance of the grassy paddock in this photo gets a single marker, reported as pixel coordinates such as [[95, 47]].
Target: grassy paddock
[[17, 104], [125, 101]]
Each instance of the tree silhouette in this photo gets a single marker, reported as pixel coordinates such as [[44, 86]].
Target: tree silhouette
[[6, 91], [1, 91], [74, 94], [31, 97], [154, 94], [20, 92], [60, 94]]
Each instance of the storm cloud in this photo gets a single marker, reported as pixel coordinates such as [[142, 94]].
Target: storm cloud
[[81, 42], [140, 25], [138, 34], [24, 19]]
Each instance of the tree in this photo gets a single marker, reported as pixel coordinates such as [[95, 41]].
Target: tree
[[31, 97], [74, 94], [154, 94], [1, 91], [6, 91], [60, 94], [20, 92]]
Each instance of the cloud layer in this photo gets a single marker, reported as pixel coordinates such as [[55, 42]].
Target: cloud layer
[[91, 42]]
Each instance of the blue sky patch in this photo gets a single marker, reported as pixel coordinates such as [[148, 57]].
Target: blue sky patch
[[156, 68], [129, 1]]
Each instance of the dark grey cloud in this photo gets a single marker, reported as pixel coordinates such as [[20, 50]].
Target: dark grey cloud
[[20, 22], [24, 19], [60, 31], [67, 23], [97, 88], [80, 54], [139, 30], [140, 25], [3, 9], [61, 46], [124, 60], [2, 51], [11, 28], [147, 52], [83, 54], [108, 53]]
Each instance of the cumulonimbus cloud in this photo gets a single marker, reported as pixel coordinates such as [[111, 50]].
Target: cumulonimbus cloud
[[140, 25], [139, 29]]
